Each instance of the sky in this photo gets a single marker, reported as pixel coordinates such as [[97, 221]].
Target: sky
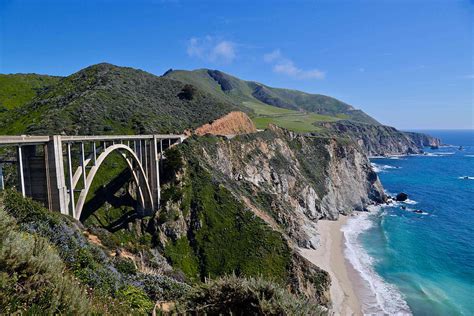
[[409, 64]]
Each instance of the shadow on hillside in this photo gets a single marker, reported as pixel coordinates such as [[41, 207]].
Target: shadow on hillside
[[106, 194]]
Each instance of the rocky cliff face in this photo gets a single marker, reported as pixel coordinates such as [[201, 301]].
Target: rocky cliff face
[[282, 180], [380, 140], [233, 123], [423, 140], [296, 179]]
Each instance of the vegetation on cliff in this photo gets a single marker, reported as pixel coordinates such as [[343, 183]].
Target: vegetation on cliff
[[224, 237]]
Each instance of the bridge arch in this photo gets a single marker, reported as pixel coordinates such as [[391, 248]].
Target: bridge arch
[[139, 176]]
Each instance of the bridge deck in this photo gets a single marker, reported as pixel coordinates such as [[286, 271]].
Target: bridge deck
[[30, 140]]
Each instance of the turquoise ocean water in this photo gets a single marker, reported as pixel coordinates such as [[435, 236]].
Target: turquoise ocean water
[[421, 263]]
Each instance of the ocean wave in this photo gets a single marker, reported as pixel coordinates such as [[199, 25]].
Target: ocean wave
[[381, 168], [419, 212], [411, 202], [387, 298], [440, 154], [472, 156], [466, 178]]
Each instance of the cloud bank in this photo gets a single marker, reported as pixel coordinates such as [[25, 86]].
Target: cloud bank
[[211, 49], [285, 66]]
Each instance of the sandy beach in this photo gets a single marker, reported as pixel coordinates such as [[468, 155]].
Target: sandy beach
[[330, 257]]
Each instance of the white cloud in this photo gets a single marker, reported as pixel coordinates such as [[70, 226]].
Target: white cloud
[[224, 50], [285, 66], [211, 49], [273, 56]]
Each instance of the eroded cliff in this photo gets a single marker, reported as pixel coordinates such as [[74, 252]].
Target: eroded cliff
[[233, 123], [245, 204], [381, 140]]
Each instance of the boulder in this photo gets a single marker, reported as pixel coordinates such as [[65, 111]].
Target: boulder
[[401, 197]]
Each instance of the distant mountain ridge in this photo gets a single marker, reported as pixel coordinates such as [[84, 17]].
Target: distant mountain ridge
[[242, 92], [108, 99]]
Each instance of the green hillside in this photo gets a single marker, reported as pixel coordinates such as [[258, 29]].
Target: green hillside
[[18, 89], [302, 111], [107, 99]]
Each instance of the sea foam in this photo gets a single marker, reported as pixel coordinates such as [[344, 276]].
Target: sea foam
[[382, 168], [384, 298]]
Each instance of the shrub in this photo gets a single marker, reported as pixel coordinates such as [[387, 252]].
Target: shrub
[[187, 93], [88, 263], [159, 287], [124, 265], [136, 298], [33, 277], [245, 296]]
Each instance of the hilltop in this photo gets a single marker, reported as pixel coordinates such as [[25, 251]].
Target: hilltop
[[286, 108], [107, 99]]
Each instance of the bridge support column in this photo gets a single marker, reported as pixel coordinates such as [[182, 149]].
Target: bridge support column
[[154, 174], [56, 182], [41, 174]]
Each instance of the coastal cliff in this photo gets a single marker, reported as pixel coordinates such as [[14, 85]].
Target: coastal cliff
[[423, 140], [381, 140], [274, 184]]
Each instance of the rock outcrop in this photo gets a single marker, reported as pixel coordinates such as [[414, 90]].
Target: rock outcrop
[[381, 140], [423, 140], [233, 123], [296, 179]]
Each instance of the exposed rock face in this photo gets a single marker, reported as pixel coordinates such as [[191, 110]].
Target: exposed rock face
[[295, 179], [380, 140], [221, 79], [288, 181], [423, 140], [233, 123], [262, 94]]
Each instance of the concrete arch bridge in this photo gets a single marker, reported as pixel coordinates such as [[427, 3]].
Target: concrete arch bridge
[[59, 170]]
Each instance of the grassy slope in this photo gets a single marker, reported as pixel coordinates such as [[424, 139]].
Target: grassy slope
[[290, 109], [19, 89], [106, 99]]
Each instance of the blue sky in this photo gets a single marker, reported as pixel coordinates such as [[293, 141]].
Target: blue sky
[[407, 63]]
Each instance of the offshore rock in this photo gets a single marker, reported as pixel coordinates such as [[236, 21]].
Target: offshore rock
[[401, 197]]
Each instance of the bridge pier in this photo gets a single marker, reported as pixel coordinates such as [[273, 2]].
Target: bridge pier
[[41, 173]]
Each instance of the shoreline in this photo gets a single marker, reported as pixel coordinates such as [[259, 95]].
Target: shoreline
[[345, 281]]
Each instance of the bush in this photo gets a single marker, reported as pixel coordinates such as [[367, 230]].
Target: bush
[[159, 287], [88, 263], [136, 298], [33, 277], [61, 250], [124, 265], [245, 296]]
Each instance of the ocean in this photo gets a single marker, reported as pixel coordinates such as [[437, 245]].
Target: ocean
[[420, 263]]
